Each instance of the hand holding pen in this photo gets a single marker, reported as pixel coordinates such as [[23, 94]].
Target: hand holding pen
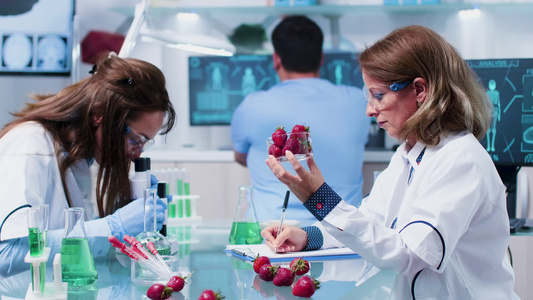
[[285, 203]]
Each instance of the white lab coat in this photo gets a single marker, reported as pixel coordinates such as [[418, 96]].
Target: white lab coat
[[452, 224], [31, 177]]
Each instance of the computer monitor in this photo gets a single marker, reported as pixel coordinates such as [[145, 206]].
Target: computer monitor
[[217, 85], [509, 140], [36, 37]]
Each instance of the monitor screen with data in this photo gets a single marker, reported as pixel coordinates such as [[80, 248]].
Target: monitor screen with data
[[509, 85], [36, 37], [217, 85]]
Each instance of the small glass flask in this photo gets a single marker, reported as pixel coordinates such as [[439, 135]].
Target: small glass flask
[[245, 228], [77, 262], [150, 233]]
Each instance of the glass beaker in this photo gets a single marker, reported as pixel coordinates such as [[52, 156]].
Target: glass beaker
[[245, 228], [150, 233], [77, 262]]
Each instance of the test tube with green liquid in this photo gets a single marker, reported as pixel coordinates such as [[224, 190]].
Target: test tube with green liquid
[[179, 204], [172, 190], [35, 226], [187, 192]]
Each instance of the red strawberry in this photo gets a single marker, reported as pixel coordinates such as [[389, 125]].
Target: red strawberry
[[158, 292], [305, 287], [267, 272], [292, 145], [259, 261], [300, 132], [300, 128], [279, 136], [284, 277], [299, 266], [274, 150], [176, 283], [210, 295]]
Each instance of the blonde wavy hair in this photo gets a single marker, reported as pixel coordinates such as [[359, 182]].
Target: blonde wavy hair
[[455, 101]]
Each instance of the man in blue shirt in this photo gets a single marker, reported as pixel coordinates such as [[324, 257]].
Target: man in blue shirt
[[335, 115]]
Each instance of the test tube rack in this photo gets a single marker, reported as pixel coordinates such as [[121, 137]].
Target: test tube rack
[[56, 290]]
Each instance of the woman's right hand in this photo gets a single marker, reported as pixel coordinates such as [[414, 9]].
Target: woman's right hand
[[291, 239]]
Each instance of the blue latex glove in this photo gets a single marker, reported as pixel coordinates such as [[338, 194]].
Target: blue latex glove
[[130, 218], [153, 181]]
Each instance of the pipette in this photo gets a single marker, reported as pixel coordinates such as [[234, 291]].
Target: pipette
[[159, 258], [139, 248], [142, 259]]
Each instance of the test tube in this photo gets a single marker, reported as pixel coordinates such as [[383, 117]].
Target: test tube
[[35, 226], [172, 190], [35, 220], [186, 191], [150, 220], [179, 204], [45, 215]]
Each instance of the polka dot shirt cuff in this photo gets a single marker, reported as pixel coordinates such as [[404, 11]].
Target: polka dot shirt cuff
[[315, 238], [322, 202]]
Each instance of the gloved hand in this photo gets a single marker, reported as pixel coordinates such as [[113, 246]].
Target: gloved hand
[[153, 181], [130, 218]]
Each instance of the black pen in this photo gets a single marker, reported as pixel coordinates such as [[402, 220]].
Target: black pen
[[238, 252], [285, 203]]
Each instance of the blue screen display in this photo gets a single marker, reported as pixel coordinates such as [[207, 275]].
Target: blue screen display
[[217, 85], [509, 84]]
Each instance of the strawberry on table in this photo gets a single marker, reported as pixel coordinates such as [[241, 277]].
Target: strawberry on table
[[279, 136], [284, 277], [158, 292], [176, 283], [305, 287], [259, 261], [267, 272], [210, 295], [299, 266]]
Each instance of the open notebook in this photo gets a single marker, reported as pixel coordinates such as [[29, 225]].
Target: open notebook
[[250, 252]]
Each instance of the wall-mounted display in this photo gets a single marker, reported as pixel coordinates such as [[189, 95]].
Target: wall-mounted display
[[509, 85], [36, 36], [218, 84]]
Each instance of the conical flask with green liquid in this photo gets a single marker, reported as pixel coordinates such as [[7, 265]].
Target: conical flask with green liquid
[[245, 228], [77, 262]]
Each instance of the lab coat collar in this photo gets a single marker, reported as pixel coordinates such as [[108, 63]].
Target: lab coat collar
[[411, 156]]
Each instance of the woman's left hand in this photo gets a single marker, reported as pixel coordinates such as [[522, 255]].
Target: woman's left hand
[[305, 183]]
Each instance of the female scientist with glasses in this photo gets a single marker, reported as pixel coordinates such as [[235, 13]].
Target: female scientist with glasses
[[437, 214], [46, 154]]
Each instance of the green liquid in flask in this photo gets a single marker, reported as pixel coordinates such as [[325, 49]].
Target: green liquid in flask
[[245, 233], [77, 263]]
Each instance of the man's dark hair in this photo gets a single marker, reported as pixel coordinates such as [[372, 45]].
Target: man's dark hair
[[298, 42]]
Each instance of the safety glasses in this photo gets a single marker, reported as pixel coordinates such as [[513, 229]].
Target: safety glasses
[[375, 99], [137, 142]]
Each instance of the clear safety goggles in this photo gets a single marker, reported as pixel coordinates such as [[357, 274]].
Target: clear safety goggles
[[375, 99], [137, 142]]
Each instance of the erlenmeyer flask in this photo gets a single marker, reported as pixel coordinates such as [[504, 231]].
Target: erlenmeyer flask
[[77, 263], [245, 228], [150, 233]]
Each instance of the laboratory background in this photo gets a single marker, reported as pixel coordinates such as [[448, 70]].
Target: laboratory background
[[486, 32]]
